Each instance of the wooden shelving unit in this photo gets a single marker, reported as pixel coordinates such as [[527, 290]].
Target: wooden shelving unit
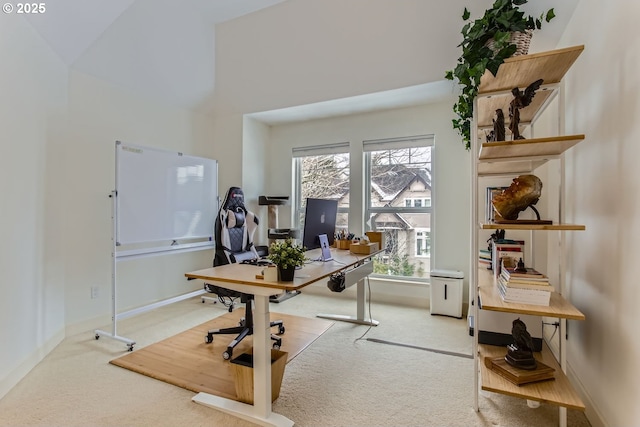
[[489, 299], [507, 158], [557, 391], [539, 227]]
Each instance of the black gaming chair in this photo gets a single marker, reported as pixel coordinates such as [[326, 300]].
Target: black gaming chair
[[234, 230]]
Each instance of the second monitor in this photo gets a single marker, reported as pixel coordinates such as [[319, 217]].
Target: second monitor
[[320, 218]]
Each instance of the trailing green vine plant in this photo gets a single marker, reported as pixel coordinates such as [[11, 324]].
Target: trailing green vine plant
[[496, 24]]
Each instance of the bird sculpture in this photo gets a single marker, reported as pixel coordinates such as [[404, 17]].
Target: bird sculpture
[[520, 335], [520, 353], [520, 100]]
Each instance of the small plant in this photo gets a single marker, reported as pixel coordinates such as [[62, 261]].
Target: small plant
[[286, 254], [496, 24]]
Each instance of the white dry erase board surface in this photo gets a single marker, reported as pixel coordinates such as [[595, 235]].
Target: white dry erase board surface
[[163, 195]]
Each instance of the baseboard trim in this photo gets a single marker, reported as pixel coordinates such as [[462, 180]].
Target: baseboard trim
[[591, 410]]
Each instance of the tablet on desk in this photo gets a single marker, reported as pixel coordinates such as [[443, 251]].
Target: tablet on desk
[[324, 245]]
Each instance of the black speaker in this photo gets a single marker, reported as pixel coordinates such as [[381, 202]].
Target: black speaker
[[336, 282]]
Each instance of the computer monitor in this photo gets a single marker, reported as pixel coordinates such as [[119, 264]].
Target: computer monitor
[[319, 218]]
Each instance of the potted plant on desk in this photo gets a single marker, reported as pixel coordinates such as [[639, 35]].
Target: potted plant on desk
[[287, 255]]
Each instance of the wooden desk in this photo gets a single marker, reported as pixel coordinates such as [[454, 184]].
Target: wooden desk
[[242, 277]]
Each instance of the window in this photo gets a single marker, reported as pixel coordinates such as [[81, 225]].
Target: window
[[322, 172], [413, 202], [399, 203], [423, 243]]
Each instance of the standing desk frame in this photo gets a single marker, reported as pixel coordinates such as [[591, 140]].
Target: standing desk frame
[[242, 278]]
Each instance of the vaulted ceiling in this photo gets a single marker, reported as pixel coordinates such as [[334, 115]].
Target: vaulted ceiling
[[165, 49]]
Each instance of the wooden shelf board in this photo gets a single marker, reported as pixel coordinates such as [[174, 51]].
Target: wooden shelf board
[[490, 300], [557, 392], [506, 151], [509, 168], [548, 227], [521, 71]]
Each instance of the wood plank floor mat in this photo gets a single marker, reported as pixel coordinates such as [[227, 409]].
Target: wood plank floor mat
[[185, 360]]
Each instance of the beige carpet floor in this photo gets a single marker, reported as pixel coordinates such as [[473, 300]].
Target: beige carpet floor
[[339, 380]]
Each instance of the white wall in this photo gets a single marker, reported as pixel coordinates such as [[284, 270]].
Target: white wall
[[58, 168], [303, 51], [33, 121], [101, 114], [256, 164], [451, 176], [603, 102], [309, 51]]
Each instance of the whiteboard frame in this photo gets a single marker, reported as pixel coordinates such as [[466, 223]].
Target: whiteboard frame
[[151, 203]]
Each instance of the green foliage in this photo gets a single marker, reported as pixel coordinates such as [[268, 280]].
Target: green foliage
[[497, 23], [397, 266], [286, 254]]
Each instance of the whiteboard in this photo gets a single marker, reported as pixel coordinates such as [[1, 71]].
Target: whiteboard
[[163, 195]]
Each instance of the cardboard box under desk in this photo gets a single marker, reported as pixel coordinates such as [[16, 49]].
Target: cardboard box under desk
[[366, 248]]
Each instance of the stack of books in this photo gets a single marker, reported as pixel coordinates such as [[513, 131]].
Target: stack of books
[[504, 248], [484, 258], [530, 287]]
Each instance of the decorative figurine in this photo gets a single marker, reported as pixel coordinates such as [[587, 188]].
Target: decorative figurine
[[489, 137], [498, 126], [520, 100], [520, 268], [520, 353], [498, 131]]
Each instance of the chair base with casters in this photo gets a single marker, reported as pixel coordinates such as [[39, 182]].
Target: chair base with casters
[[244, 329]]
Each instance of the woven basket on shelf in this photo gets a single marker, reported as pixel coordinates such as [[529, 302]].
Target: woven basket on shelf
[[521, 40]]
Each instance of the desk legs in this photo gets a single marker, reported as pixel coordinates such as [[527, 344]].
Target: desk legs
[[260, 412], [360, 301]]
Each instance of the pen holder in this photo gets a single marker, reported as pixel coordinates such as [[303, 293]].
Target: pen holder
[[343, 244]]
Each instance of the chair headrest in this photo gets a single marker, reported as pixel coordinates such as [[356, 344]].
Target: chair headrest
[[235, 218]]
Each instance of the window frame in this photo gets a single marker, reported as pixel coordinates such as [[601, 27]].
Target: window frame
[[297, 154], [370, 146]]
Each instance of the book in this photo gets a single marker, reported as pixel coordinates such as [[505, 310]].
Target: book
[[489, 212], [523, 295], [501, 252], [502, 248], [519, 376], [542, 286], [529, 273], [534, 283], [484, 258]]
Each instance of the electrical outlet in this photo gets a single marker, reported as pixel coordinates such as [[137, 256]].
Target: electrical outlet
[[95, 292]]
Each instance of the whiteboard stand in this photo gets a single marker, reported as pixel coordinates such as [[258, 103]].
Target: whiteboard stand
[[159, 196], [114, 330]]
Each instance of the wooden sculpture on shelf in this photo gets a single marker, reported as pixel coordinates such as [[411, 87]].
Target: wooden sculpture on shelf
[[524, 192], [498, 131], [520, 353], [498, 126], [520, 100]]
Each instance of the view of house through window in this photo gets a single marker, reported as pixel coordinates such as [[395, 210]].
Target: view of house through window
[[323, 173], [399, 203], [398, 198]]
